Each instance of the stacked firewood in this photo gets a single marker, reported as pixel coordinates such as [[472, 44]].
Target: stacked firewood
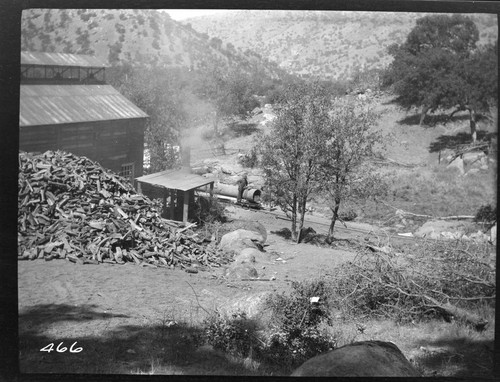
[[70, 207]]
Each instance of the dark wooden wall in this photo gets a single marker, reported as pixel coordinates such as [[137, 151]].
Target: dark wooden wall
[[111, 143]]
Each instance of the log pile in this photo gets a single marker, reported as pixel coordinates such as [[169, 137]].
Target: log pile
[[69, 207]]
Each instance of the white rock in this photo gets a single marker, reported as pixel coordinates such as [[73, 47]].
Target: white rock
[[458, 163]]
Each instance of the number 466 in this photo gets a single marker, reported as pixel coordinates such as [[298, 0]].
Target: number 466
[[50, 347]]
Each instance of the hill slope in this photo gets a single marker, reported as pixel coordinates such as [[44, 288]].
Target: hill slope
[[129, 36], [324, 43]]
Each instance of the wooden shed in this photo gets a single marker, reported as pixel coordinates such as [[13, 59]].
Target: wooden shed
[[178, 188], [66, 105]]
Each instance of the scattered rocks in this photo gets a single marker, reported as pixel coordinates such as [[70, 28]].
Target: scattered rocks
[[360, 359], [434, 228]]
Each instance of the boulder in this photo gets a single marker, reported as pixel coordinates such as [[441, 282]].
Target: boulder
[[245, 257], [446, 155], [254, 253], [253, 226], [234, 242], [360, 359], [493, 235], [472, 157], [433, 229], [241, 271], [252, 305], [458, 163]]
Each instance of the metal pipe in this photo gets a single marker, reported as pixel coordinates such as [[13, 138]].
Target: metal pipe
[[250, 194]]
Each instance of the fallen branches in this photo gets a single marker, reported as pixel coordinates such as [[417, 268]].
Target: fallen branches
[[408, 287]]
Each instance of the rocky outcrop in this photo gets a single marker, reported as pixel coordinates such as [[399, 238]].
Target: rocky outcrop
[[360, 359]]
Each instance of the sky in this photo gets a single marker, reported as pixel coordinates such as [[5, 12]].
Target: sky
[[181, 14]]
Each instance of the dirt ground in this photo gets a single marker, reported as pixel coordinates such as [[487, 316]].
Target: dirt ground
[[59, 300]]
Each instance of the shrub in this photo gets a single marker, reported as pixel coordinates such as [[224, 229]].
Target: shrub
[[210, 210], [348, 214], [250, 159], [231, 334], [486, 214], [297, 330]]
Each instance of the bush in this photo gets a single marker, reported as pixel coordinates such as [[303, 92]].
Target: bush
[[486, 214], [250, 159], [297, 330], [233, 335], [348, 215], [210, 210]]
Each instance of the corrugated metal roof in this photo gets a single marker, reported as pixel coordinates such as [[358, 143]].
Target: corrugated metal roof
[[175, 180], [61, 59], [56, 104]]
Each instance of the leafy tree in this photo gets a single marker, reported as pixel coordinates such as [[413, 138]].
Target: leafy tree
[[293, 152], [477, 89], [160, 94], [439, 66], [230, 91], [349, 141]]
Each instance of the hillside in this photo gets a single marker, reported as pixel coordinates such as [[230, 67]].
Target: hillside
[[328, 44], [129, 36]]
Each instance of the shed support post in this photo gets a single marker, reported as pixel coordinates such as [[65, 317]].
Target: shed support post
[[211, 189], [172, 204], [139, 188], [186, 207], [164, 209]]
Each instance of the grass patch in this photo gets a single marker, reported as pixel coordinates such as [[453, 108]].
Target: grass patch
[[435, 191]]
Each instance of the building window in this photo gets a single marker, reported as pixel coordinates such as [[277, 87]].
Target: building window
[[127, 171]]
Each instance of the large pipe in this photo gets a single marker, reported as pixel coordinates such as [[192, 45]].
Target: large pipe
[[250, 194]]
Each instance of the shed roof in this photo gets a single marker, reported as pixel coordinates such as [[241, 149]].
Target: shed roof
[[61, 59], [175, 180], [57, 104]]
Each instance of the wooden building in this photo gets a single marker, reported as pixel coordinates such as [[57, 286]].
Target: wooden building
[[177, 189], [65, 104]]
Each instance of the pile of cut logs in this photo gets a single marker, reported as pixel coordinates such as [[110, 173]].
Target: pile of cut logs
[[70, 207]]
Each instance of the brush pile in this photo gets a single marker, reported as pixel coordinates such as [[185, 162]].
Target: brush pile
[[70, 207], [451, 280]]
